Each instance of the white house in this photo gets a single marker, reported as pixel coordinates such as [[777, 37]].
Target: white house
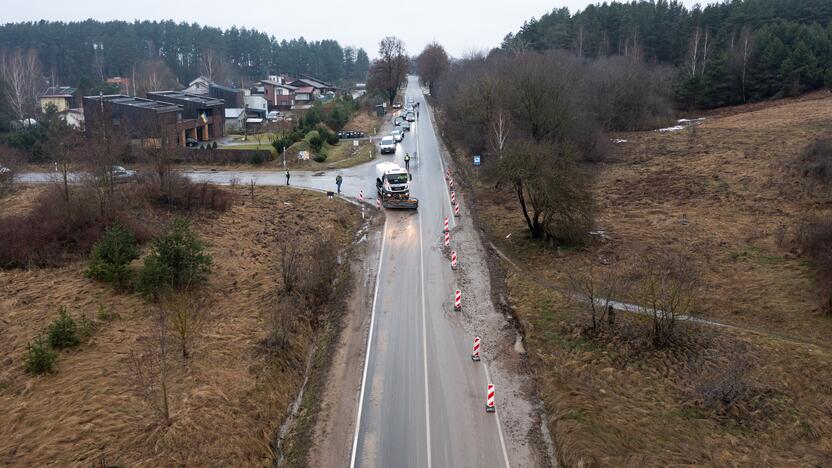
[[199, 85], [257, 104], [235, 120]]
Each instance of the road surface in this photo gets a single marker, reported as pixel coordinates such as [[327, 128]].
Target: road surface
[[422, 401]]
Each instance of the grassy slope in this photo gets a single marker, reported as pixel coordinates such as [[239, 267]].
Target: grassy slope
[[730, 179], [227, 400]]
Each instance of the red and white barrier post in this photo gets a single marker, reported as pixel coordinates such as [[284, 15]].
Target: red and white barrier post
[[453, 260], [475, 355], [458, 300], [447, 239], [453, 196], [378, 203], [361, 199], [445, 228], [456, 210], [489, 399], [451, 183]]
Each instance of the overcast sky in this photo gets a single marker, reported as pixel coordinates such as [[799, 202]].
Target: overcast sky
[[459, 25]]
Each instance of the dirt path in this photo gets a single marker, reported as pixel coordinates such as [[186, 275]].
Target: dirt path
[[333, 433]]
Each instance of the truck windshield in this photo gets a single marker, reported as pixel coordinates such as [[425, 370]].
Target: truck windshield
[[397, 178]]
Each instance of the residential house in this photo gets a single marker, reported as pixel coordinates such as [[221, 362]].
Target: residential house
[[235, 119], [199, 85], [257, 105], [304, 97], [74, 118], [321, 87], [278, 95], [62, 97], [203, 117]]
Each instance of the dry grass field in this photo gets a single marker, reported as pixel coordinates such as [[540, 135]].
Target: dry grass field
[[227, 400], [727, 193]]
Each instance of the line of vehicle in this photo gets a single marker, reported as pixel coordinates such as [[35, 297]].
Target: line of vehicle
[[499, 425], [369, 347]]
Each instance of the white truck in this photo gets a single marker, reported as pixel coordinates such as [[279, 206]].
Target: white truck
[[393, 186]]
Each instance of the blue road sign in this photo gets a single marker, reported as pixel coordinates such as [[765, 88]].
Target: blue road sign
[[477, 160]]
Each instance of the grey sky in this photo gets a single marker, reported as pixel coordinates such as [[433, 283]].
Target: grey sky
[[459, 25]]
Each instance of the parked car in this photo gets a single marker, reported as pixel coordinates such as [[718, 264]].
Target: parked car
[[120, 174], [397, 105], [398, 121], [191, 142], [388, 145], [398, 134], [350, 134], [410, 100], [410, 117], [406, 126]]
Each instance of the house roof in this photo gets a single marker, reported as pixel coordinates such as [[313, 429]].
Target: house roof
[[226, 88], [305, 90], [275, 83], [181, 96], [123, 100], [234, 113], [59, 91], [199, 79], [316, 80], [308, 82]]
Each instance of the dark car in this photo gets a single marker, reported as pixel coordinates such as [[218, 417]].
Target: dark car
[[191, 142], [406, 126], [121, 174]]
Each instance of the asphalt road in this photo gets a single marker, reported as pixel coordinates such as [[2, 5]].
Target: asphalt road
[[422, 402]]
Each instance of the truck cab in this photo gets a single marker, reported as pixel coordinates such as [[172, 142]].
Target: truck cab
[[392, 180]]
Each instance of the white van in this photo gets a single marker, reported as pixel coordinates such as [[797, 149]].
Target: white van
[[388, 145]]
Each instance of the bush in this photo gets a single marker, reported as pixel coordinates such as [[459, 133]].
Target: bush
[[214, 145], [178, 191], [63, 333], [815, 240], [111, 257], [320, 157], [39, 358], [816, 161], [333, 139], [256, 159], [177, 260], [316, 143]]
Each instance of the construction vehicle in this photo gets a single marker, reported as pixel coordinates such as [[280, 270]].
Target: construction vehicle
[[393, 186]]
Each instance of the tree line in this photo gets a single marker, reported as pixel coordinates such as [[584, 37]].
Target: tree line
[[71, 52], [723, 54]]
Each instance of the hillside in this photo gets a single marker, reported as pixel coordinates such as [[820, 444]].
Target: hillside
[[227, 399], [727, 194]]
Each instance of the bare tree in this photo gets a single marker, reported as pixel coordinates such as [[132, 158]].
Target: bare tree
[[61, 144], [595, 290], [150, 371], [290, 261], [20, 71], [155, 75], [666, 294], [186, 317], [500, 130], [740, 54], [432, 63], [212, 65], [389, 70]]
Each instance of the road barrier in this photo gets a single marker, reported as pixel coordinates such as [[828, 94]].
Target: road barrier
[[361, 195], [451, 183], [453, 196], [448, 174], [458, 300], [456, 210], [453, 260], [447, 239], [445, 229], [489, 399], [378, 203], [475, 355]]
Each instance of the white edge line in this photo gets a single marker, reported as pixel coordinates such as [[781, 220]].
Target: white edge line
[[442, 166], [424, 338], [499, 426], [369, 347]]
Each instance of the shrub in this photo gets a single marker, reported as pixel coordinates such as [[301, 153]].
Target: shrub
[[256, 159], [815, 239], [177, 260], [816, 161], [62, 332], [321, 157], [39, 358], [178, 191], [316, 143], [214, 145], [111, 257], [333, 139]]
